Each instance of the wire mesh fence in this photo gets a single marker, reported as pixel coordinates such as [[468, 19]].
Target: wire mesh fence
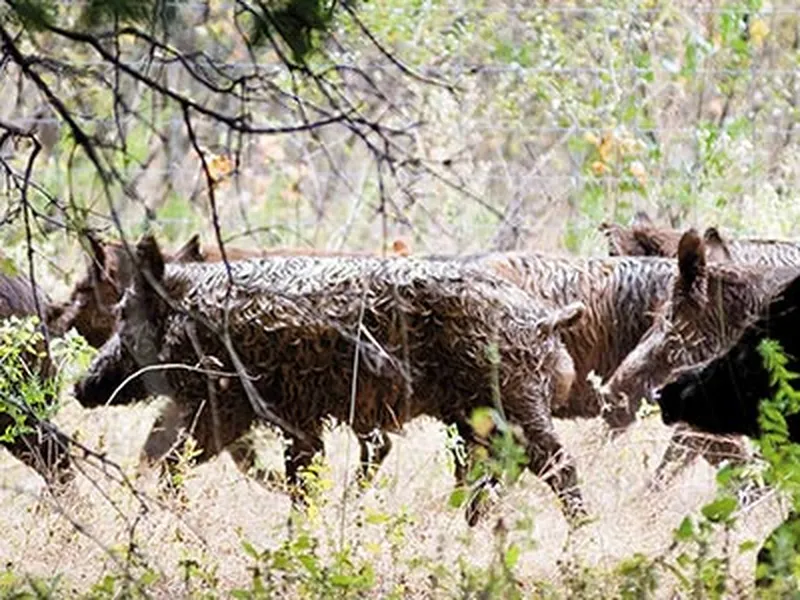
[[549, 118]]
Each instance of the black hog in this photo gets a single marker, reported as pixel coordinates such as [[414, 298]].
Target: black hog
[[366, 341], [644, 238], [708, 307], [723, 396]]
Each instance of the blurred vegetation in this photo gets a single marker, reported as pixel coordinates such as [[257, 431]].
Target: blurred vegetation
[[549, 118], [300, 24]]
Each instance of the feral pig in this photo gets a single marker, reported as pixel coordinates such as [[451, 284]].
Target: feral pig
[[643, 238], [89, 310], [708, 307], [424, 331], [724, 396], [621, 296], [45, 449]]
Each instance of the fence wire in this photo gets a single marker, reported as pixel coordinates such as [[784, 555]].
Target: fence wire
[[563, 116]]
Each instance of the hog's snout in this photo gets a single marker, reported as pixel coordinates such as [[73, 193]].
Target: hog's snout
[[91, 391], [670, 404], [106, 373]]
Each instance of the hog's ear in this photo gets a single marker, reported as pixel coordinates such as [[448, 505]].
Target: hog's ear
[[52, 313], [150, 260], [190, 251], [692, 263], [568, 316], [562, 319], [652, 242], [716, 247], [619, 239], [641, 219], [97, 253]]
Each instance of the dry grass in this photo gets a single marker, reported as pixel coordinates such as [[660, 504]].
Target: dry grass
[[222, 507]]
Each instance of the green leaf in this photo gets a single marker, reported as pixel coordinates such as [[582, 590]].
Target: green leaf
[[748, 545], [720, 509], [457, 498], [511, 556], [310, 563], [98, 13], [7, 267], [303, 542], [300, 24], [35, 14], [725, 474], [250, 550], [376, 518], [685, 530], [343, 580]]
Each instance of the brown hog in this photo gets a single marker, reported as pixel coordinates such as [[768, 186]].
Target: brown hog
[[643, 238], [621, 295], [90, 311], [90, 306], [709, 306], [417, 334]]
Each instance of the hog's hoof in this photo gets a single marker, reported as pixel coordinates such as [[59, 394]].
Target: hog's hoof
[[575, 512], [482, 499]]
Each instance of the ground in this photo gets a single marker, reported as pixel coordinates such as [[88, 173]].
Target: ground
[[222, 508]]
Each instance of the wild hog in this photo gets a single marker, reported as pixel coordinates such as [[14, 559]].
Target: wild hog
[[621, 296], [643, 238], [709, 306], [89, 308], [723, 396], [434, 338], [46, 449], [90, 311]]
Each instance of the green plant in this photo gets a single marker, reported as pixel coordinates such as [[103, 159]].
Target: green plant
[[778, 569], [298, 566], [24, 392], [703, 565], [30, 379], [499, 579]]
